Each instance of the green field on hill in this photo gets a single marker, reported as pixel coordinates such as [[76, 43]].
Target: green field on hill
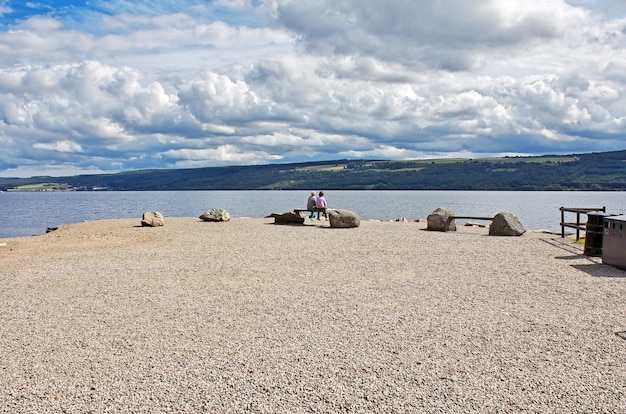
[[604, 171]]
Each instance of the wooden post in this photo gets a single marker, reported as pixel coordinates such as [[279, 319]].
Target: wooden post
[[578, 226]]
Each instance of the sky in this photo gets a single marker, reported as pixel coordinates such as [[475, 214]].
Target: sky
[[103, 86]]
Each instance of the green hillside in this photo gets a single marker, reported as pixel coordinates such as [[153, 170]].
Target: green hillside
[[582, 172]]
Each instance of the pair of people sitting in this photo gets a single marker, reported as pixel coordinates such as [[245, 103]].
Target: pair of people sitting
[[317, 205]]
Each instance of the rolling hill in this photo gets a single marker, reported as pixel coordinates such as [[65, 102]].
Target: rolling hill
[[602, 171]]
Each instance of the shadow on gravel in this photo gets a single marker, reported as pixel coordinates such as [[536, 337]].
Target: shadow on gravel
[[574, 257], [621, 335], [600, 270], [573, 249], [594, 268]]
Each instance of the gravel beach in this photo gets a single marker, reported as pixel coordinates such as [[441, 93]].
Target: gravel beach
[[248, 316]]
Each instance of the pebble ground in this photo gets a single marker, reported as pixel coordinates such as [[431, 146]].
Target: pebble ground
[[248, 316]]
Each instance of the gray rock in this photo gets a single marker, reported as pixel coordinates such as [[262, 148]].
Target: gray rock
[[287, 218], [506, 224], [439, 220], [152, 219], [343, 218], [215, 214]]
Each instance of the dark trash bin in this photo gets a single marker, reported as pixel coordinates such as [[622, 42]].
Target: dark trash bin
[[594, 233]]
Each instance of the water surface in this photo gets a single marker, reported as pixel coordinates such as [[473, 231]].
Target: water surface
[[25, 214]]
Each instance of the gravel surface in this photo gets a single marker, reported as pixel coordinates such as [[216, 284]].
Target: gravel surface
[[248, 316]]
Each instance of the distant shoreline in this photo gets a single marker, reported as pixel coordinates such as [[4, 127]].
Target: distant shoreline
[[602, 171]]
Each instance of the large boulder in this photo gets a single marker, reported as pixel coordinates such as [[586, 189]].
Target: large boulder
[[287, 218], [215, 214], [152, 219], [440, 220], [343, 218], [506, 224]]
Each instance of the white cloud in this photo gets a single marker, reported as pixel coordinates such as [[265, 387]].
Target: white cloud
[[191, 84], [449, 35], [60, 146], [224, 154], [5, 9]]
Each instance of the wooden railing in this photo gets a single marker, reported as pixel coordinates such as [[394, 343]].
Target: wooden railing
[[578, 225]]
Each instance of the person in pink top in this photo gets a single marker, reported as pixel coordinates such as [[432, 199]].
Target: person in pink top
[[321, 205]]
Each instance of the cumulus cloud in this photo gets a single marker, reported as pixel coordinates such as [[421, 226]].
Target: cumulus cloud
[[449, 35], [61, 146], [184, 84]]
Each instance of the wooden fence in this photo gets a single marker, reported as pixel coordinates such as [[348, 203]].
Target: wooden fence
[[578, 225]]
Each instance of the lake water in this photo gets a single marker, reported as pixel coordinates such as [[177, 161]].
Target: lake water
[[26, 214]]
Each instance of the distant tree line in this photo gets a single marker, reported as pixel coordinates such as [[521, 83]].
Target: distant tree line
[[604, 171]]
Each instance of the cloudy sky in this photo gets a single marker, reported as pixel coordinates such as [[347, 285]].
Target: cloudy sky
[[98, 86]]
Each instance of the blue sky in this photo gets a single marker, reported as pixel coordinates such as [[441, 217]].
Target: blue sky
[[107, 86]]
